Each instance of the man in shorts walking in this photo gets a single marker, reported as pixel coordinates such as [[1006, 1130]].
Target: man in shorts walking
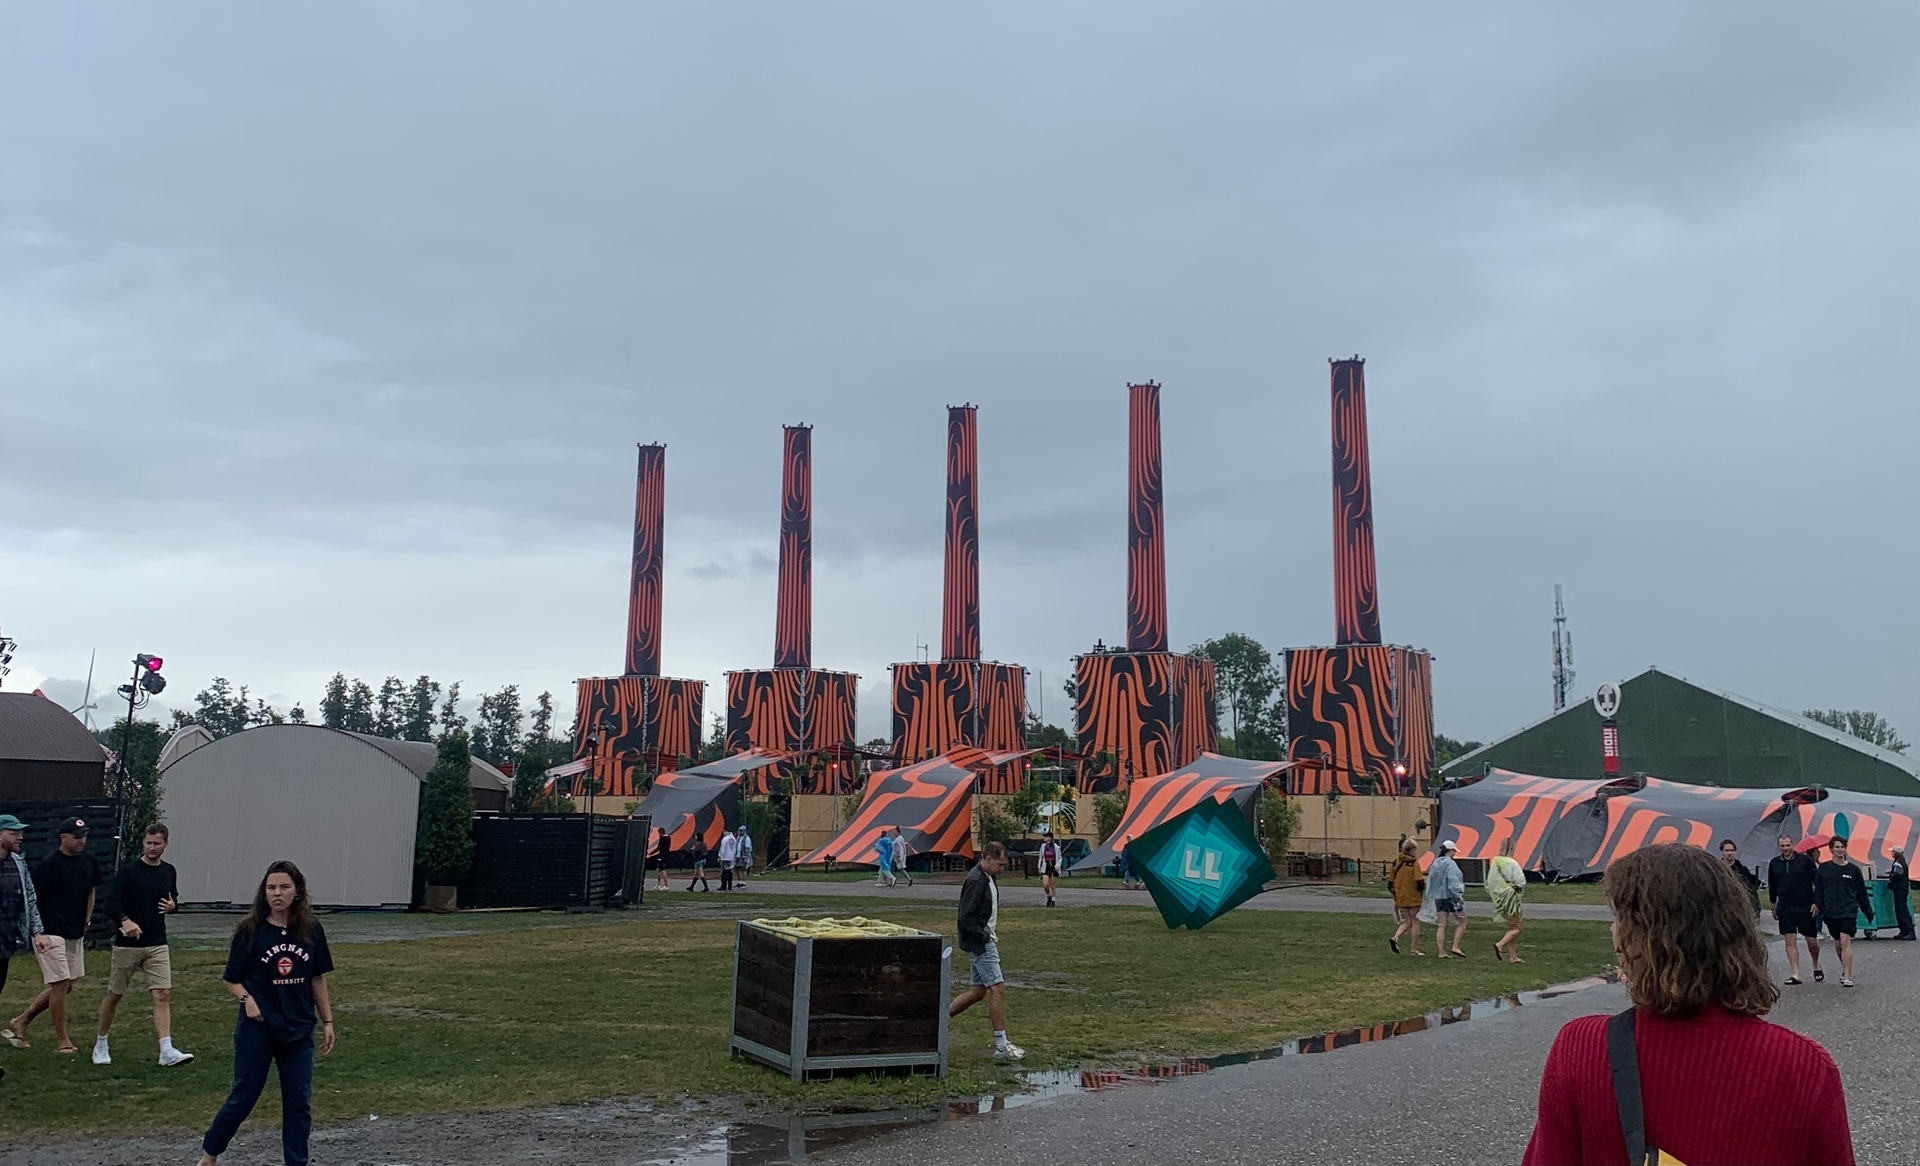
[[1843, 898], [20, 926], [140, 897], [65, 882], [1790, 888], [980, 939]]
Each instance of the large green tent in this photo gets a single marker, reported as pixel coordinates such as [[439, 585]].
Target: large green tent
[[1678, 730]]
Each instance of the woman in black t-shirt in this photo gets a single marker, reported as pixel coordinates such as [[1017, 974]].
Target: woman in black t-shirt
[[277, 969]]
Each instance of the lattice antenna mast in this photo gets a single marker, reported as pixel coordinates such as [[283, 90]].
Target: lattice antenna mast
[[1562, 653]]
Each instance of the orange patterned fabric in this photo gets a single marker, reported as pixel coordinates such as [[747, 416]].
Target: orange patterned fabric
[[1154, 800], [931, 803]]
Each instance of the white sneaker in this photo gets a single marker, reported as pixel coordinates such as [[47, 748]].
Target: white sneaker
[[171, 1057], [100, 1054], [1008, 1052], [1846, 981]]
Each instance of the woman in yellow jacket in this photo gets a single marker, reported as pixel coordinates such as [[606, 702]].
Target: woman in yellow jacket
[[1408, 889]]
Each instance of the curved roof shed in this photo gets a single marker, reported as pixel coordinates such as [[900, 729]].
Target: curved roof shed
[[45, 752], [342, 806]]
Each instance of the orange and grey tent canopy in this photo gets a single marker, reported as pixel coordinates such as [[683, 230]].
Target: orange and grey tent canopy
[[929, 802], [683, 805], [1571, 828], [738, 764], [1154, 800]]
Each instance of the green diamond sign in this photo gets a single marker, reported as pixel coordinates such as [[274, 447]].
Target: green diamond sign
[[1200, 864]]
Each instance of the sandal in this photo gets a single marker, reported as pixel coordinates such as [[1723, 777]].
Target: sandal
[[18, 1042], [1458, 954], [1793, 980], [1395, 945], [1819, 977], [67, 1050]]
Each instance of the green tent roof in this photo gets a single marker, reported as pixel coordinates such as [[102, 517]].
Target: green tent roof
[[1678, 730]]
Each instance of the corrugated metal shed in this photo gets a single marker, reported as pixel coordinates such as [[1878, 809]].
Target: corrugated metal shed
[[45, 752], [342, 806]]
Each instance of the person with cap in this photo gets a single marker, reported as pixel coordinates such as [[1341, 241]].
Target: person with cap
[[1900, 887], [64, 881], [1447, 889], [20, 928]]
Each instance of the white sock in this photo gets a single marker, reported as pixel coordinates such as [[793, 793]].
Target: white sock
[[166, 1044], [999, 1038], [99, 1042]]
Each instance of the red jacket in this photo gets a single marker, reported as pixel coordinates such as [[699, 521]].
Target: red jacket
[[1718, 1089]]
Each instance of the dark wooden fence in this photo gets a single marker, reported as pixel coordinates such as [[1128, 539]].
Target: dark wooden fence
[[545, 860]]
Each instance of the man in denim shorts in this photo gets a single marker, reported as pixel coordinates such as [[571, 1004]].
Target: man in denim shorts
[[979, 938]]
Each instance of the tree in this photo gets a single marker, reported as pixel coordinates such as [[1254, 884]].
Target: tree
[[135, 778], [538, 753], [496, 733], [264, 713], [1446, 749], [444, 847], [1247, 679], [296, 714], [360, 708], [219, 709], [1041, 735], [333, 703], [715, 746], [450, 719], [1279, 820], [416, 709], [386, 707], [1870, 727]]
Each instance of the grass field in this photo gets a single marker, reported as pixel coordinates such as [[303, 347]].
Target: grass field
[[532, 1009]]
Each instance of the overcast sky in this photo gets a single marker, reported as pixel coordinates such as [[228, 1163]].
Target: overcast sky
[[326, 335]]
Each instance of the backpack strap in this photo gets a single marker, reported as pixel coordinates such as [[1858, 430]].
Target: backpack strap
[[1623, 1060]]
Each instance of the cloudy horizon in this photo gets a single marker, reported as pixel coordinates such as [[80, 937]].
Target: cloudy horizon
[[326, 336]]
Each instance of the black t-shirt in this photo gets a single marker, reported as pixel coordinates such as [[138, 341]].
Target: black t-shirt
[[277, 970], [137, 891], [62, 881], [1790, 881]]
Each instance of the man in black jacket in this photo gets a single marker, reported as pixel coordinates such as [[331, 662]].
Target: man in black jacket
[[1790, 879], [980, 939], [1843, 891]]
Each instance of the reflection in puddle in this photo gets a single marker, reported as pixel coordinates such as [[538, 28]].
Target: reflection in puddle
[[769, 1144]]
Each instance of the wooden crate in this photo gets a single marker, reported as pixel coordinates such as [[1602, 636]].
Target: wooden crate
[[810, 1006]]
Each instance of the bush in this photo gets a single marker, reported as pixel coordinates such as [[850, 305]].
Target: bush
[[1279, 819], [762, 819], [1108, 809], [996, 824], [444, 843]]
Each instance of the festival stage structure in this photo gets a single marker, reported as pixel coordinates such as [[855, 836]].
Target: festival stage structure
[[961, 700], [1360, 713], [640, 721], [1153, 709], [794, 707]]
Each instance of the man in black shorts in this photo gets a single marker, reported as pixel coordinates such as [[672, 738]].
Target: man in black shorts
[[1843, 897], [1790, 888]]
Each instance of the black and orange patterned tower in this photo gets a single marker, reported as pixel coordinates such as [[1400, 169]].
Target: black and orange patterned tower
[[793, 614], [650, 721], [1356, 601], [794, 707], [1146, 541], [960, 590], [1359, 714], [961, 700], [1152, 710], [643, 593]]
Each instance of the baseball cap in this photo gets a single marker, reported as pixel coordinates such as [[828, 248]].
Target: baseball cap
[[9, 822], [74, 826], [1448, 845]]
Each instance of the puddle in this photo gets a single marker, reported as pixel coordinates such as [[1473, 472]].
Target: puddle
[[791, 1144]]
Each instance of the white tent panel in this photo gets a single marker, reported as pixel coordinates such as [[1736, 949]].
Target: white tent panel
[[340, 809]]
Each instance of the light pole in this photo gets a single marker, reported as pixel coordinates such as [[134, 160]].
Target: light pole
[[146, 680]]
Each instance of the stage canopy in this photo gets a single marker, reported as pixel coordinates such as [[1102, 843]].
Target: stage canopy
[[738, 764], [1154, 800], [1201, 863], [683, 805], [1569, 828], [931, 802]]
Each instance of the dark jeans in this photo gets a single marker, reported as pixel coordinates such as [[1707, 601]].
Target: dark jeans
[[726, 878], [254, 1050], [1903, 913]]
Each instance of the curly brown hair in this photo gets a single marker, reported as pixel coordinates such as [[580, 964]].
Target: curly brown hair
[[1685, 933]]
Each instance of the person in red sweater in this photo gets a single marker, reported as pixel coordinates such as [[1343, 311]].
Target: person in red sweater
[[1718, 1084]]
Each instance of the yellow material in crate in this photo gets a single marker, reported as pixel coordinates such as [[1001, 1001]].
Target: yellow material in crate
[[858, 927]]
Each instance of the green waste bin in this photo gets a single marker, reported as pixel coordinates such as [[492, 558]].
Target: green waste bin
[[1882, 900]]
